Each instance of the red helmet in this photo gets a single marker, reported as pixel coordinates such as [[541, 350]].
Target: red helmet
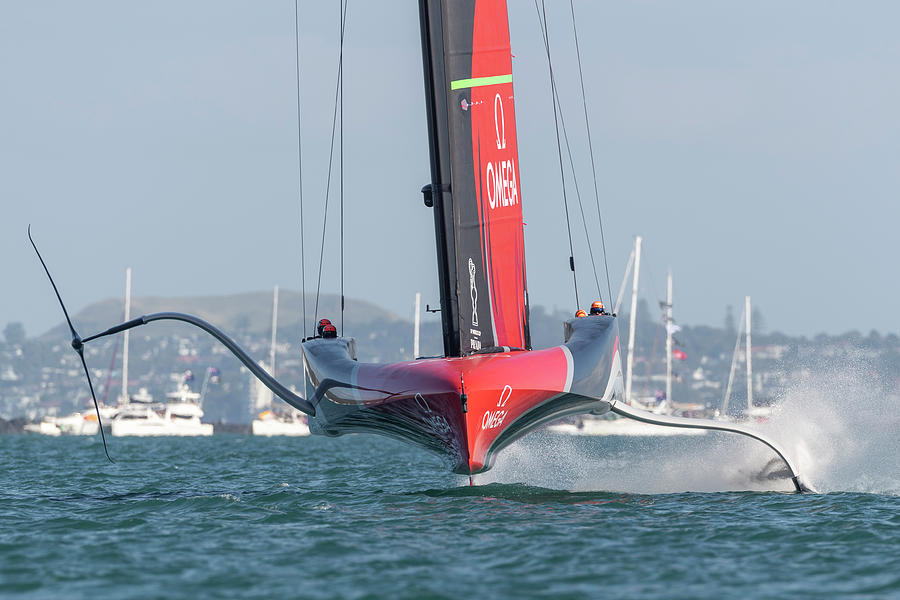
[[580, 313], [597, 308], [329, 331], [321, 325]]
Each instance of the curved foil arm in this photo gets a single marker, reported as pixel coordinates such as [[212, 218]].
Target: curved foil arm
[[270, 382], [624, 410]]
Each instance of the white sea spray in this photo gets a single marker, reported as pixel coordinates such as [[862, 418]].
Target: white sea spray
[[842, 422], [839, 421]]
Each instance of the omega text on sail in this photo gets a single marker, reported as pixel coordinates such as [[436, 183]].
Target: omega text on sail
[[502, 188]]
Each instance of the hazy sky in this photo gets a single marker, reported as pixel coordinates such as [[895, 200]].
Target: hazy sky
[[755, 146]]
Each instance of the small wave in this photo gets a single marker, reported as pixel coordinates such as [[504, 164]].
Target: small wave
[[529, 494]]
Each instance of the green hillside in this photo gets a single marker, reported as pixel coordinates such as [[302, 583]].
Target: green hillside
[[247, 313]]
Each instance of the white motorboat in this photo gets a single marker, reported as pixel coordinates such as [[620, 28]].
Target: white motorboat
[[78, 424], [179, 416], [45, 426], [74, 424]]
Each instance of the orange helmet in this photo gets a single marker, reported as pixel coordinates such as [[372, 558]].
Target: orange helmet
[[580, 313], [597, 308]]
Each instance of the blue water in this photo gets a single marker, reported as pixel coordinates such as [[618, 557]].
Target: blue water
[[366, 517]]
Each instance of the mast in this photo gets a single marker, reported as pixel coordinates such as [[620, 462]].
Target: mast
[[204, 387], [437, 193], [633, 316], [274, 331], [734, 356], [628, 267], [749, 359], [416, 320], [669, 338], [124, 398]]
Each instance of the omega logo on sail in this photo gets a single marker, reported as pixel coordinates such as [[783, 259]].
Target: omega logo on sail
[[500, 175], [499, 124]]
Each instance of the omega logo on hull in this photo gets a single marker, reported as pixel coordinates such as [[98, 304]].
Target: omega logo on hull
[[494, 418]]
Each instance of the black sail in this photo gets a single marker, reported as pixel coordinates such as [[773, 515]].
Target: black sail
[[475, 174]]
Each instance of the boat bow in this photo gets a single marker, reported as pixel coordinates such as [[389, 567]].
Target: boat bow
[[465, 408]]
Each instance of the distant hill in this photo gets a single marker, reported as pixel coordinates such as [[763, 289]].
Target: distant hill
[[247, 313]]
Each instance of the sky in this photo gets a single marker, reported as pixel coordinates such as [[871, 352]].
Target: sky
[[754, 146]]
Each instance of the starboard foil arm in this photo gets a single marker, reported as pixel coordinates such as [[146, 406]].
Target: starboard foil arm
[[270, 382], [620, 408]]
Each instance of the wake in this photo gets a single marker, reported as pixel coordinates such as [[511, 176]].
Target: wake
[[839, 421]]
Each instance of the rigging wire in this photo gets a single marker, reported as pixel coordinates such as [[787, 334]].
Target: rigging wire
[[562, 125], [337, 88], [341, 84], [300, 166], [587, 125], [578, 197], [542, 19]]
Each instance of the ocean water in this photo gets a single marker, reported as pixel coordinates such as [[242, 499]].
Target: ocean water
[[366, 517]]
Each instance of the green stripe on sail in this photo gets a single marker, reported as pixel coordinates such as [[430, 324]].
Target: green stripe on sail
[[480, 81]]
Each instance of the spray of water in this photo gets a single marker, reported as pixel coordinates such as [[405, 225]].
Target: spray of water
[[841, 418], [838, 419]]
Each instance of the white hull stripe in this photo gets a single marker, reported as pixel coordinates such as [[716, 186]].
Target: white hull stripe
[[570, 369]]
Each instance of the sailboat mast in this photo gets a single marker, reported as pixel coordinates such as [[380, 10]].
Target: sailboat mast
[[123, 399], [437, 193], [633, 316], [621, 295], [734, 356], [749, 359], [669, 338], [274, 331]]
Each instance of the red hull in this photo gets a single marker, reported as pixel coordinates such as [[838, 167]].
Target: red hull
[[468, 408]]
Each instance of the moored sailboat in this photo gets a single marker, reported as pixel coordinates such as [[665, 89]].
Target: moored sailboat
[[753, 411], [272, 420]]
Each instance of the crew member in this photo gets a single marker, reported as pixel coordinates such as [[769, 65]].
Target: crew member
[[580, 313], [329, 331], [321, 326], [597, 308]]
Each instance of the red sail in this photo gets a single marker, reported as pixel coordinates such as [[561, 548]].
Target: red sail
[[486, 191]]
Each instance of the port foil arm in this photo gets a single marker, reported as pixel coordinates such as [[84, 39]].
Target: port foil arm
[[270, 382], [620, 408]]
